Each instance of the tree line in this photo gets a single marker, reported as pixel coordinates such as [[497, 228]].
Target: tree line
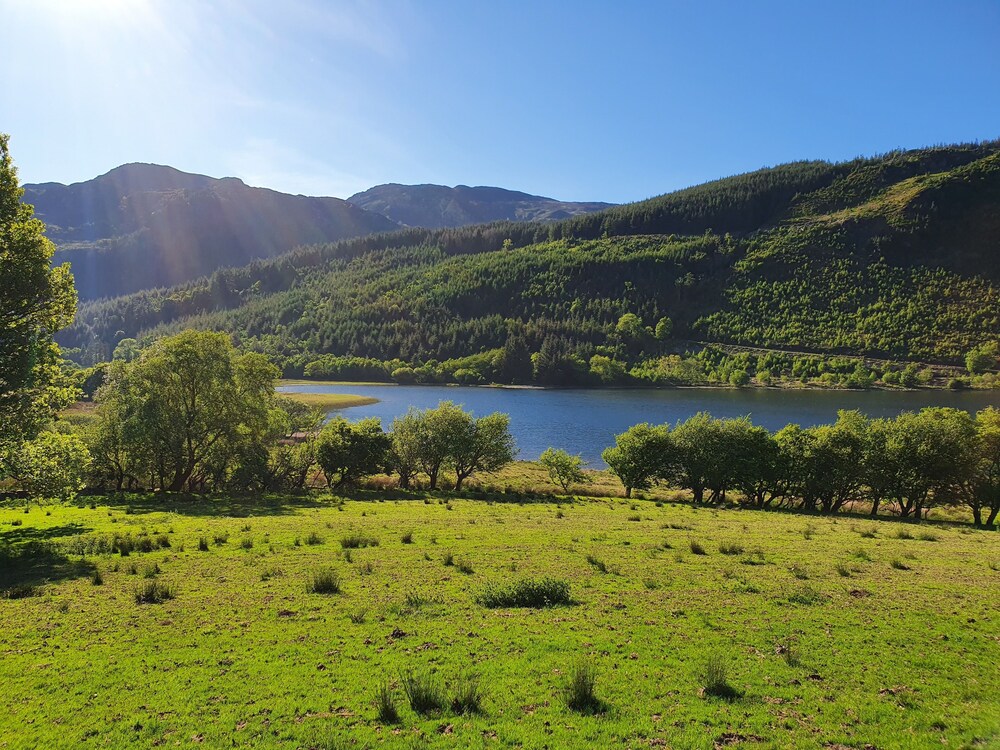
[[910, 463]]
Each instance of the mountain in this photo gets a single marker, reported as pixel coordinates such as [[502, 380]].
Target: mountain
[[437, 206], [894, 257], [142, 226]]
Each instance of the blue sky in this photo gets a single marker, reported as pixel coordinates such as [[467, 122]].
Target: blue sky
[[611, 101]]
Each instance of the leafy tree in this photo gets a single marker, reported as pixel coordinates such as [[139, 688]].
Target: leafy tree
[[127, 350], [664, 329], [53, 465], [564, 469], [981, 359], [640, 456], [36, 300], [607, 370], [406, 439], [482, 444], [186, 404], [441, 429], [980, 487], [348, 451]]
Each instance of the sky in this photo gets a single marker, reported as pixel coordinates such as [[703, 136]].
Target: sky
[[613, 101]]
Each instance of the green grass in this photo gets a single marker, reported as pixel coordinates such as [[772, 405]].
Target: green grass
[[244, 656]]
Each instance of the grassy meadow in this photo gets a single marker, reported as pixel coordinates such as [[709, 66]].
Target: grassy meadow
[[818, 632]]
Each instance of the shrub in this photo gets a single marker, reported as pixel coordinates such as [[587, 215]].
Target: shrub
[[468, 697], [580, 690], [21, 591], [385, 704], [153, 592], [716, 679], [356, 540], [542, 592], [423, 692], [323, 581]]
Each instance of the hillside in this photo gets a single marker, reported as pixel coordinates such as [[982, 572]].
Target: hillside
[[437, 206], [141, 226], [893, 257]]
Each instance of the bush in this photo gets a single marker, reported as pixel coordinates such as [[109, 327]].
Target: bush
[[542, 592], [423, 692], [324, 581], [153, 592], [580, 690]]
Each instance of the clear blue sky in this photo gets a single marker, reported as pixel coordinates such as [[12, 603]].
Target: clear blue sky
[[605, 100]]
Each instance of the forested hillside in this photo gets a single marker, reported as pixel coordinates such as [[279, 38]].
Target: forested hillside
[[894, 257], [142, 226], [436, 206]]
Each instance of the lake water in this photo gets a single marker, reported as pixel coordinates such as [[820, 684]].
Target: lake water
[[585, 421]]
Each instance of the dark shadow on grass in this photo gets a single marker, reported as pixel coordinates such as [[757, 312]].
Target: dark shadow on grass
[[33, 564], [24, 535], [234, 506]]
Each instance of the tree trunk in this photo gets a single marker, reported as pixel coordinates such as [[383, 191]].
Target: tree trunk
[[992, 516], [875, 504], [628, 492], [977, 516], [433, 477]]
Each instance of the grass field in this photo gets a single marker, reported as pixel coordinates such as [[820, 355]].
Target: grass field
[[831, 632], [329, 401]]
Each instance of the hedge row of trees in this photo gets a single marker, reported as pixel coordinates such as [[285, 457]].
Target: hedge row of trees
[[911, 463]]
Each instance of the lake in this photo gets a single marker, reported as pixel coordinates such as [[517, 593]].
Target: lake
[[585, 421]]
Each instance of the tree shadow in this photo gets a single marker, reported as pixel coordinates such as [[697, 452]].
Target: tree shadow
[[20, 535], [235, 506], [33, 563]]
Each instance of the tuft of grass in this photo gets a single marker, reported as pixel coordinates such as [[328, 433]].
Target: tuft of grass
[[323, 581], [697, 548], [527, 592], [464, 566], [634, 517], [202, 544], [357, 540], [407, 538], [731, 548], [153, 592], [220, 539], [598, 564], [313, 539], [467, 697], [385, 704], [247, 543], [424, 692], [843, 570], [358, 616], [806, 595], [903, 534], [898, 564], [800, 572], [789, 652], [715, 679], [449, 560], [151, 571], [927, 536], [869, 533], [96, 578], [580, 691]]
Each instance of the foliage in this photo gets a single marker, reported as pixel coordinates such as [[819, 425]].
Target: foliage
[[36, 300], [348, 451], [564, 469], [52, 465], [638, 456]]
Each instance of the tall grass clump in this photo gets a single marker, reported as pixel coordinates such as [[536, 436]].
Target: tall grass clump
[[528, 592], [385, 704], [716, 679], [314, 539], [423, 692], [697, 548], [202, 544], [357, 540], [580, 692], [153, 592], [467, 697], [323, 581]]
